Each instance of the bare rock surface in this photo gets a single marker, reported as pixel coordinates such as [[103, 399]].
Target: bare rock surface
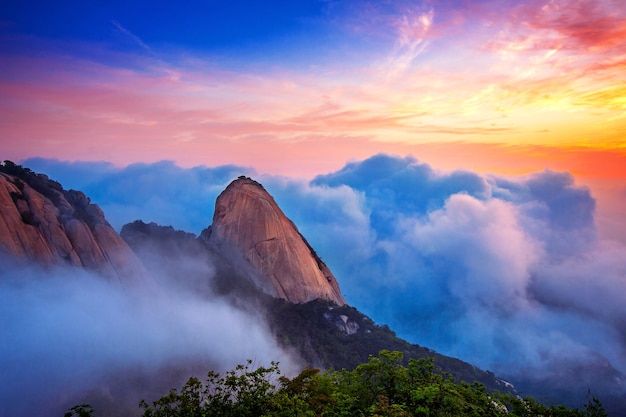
[[247, 217], [42, 223]]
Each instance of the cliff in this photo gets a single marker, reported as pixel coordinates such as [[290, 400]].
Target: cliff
[[43, 223], [247, 218]]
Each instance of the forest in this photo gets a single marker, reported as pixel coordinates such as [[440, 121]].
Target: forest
[[383, 386]]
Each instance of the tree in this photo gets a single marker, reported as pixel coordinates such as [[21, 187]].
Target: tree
[[383, 376], [380, 387], [594, 407], [241, 392], [82, 410]]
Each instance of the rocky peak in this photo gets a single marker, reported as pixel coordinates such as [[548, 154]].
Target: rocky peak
[[43, 223], [247, 218]]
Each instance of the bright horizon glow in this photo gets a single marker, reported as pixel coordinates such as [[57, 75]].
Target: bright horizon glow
[[298, 90]]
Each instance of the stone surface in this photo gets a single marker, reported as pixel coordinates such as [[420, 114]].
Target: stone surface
[[246, 217], [61, 228]]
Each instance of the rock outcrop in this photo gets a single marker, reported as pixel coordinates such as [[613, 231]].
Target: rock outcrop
[[43, 223], [247, 218]]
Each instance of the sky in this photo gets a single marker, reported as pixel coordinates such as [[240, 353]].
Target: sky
[[465, 158], [299, 88]]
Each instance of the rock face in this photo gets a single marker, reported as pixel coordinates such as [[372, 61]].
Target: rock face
[[43, 223], [247, 218]]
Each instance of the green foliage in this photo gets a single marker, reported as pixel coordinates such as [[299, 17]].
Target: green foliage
[[321, 343], [241, 392], [82, 410], [381, 387], [594, 407]]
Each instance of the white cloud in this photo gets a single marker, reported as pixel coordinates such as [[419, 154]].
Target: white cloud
[[65, 333], [506, 273]]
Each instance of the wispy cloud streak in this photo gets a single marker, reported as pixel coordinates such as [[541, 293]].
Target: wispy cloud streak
[[132, 36], [412, 28]]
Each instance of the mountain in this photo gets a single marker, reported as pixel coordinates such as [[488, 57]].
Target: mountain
[[321, 332], [247, 218], [251, 257], [261, 262], [43, 223]]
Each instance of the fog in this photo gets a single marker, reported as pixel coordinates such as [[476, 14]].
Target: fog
[[70, 337], [508, 273]]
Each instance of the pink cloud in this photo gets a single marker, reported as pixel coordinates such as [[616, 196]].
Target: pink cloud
[[88, 103], [588, 34], [592, 25]]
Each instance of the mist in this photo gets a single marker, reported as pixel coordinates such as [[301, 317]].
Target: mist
[[507, 273], [70, 337]]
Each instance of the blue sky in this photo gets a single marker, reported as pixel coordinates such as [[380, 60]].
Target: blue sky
[[238, 32], [203, 25]]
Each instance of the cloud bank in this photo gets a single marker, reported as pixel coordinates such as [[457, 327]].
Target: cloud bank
[[498, 271], [70, 337], [508, 273]]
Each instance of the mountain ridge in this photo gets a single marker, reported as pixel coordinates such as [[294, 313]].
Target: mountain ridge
[[42, 222], [341, 336]]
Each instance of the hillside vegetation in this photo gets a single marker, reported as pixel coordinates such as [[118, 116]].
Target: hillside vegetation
[[382, 386], [316, 330]]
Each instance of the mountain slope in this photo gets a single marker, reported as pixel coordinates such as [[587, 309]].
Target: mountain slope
[[43, 223], [321, 332]]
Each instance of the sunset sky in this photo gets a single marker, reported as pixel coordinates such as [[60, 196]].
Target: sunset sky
[[460, 165], [300, 87]]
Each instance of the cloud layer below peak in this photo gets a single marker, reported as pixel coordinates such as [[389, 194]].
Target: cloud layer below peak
[[508, 273]]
